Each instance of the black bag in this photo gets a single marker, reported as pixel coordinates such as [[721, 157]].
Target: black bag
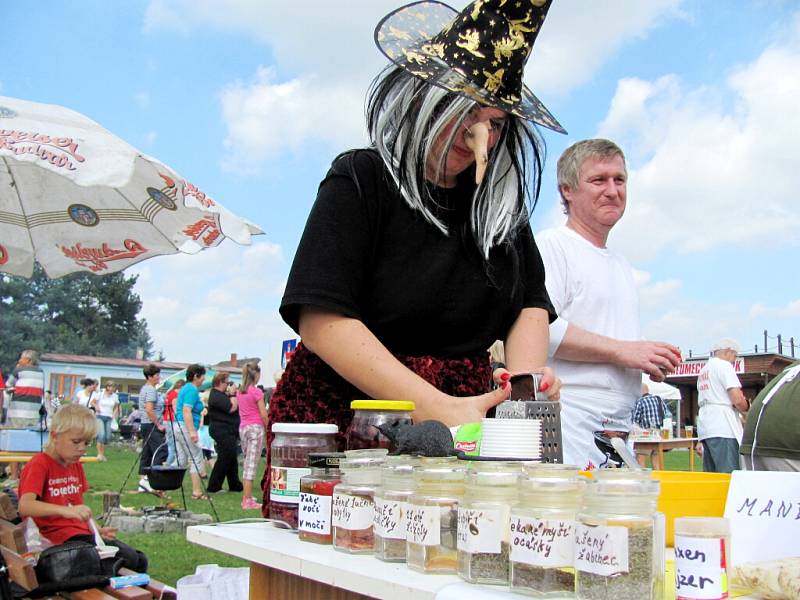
[[70, 566]]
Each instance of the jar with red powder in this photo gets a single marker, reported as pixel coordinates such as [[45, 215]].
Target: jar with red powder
[[316, 493], [289, 462]]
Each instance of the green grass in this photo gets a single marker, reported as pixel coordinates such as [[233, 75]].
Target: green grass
[[170, 555]]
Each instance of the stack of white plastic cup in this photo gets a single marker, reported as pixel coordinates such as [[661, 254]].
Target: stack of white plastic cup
[[511, 438]]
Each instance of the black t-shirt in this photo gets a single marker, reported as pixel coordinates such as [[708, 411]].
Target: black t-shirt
[[366, 254]]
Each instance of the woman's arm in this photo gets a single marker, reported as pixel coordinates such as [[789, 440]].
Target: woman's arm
[[526, 348], [354, 352], [262, 409], [29, 506], [188, 421]]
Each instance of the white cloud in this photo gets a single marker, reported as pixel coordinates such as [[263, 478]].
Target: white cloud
[[787, 311], [265, 117], [600, 29], [327, 58], [711, 166], [205, 306]]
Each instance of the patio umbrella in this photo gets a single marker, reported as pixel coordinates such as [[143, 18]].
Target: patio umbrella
[[166, 384], [74, 197]]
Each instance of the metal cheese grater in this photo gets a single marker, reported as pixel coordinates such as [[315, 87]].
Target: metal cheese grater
[[525, 403]]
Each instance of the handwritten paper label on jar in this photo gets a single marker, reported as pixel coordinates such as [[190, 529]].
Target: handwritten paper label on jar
[[389, 519], [314, 515], [601, 550], [423, 525], [480, 530], [285, 484], [700, 568], [352, 512], [542, 542]]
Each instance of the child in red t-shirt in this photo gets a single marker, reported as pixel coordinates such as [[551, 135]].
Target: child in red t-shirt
[[52, 485]]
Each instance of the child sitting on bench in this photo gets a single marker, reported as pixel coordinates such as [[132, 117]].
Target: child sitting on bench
[[52, 485]]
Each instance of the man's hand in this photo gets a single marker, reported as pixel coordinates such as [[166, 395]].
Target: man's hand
[[194, 436], [108, 533], [657, 359]]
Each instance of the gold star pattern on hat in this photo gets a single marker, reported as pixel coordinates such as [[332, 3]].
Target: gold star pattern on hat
[[480, 52]]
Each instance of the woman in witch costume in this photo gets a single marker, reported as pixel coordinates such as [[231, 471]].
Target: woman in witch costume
[[418, 252]]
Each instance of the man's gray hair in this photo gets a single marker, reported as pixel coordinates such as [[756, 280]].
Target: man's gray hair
[[571, 161], [31, 355]]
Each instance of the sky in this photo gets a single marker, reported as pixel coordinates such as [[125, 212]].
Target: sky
[[252, 99]]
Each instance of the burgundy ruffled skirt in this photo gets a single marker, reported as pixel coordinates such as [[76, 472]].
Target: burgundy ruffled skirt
[[312, 392]]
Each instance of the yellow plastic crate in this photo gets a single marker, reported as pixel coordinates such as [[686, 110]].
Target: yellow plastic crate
[[691, 494]]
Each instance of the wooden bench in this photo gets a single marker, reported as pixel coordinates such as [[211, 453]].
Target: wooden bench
[[21, 571]]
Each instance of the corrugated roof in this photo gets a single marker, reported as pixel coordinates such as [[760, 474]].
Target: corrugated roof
[[123, 362]]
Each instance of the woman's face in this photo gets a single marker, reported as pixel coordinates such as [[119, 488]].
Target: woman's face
[[459, 155]]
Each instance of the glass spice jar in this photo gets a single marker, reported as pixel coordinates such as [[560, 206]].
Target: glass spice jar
[[432, 518], [391, 506], [353, 500], [483, 521], [619, 539], [289, 452], [368, 415], [316, 496], [543, 531]]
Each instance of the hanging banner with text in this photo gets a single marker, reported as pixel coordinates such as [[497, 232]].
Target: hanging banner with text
[[693, 367], [763, 505]]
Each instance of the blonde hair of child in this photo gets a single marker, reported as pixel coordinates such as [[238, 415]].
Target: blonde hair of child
[[73, 417]]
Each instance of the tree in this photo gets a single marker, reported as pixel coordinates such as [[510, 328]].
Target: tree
[[76, 314]]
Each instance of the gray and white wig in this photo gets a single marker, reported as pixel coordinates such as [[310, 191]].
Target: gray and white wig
[[406, 115]]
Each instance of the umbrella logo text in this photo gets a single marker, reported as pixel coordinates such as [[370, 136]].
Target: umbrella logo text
[[58, 151], [3, 255], [97, 259], [206, 228], [189, 189]]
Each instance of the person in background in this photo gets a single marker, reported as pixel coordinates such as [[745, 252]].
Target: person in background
[[720, 400], [771, 440], [27, 382], [52, 404], [206, 443], [188, 413], [53, 484], [595, 343], [154, 451], [169, 421], [86, 395], [223, 411], [252, 429], [648, 413], [106, 407]]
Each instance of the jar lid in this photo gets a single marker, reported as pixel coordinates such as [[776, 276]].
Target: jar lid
[[304, 428], [325, 460], [382, 405]]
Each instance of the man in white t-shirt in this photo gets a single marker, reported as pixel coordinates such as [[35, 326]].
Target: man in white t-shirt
[[719, 395], [595, 345]]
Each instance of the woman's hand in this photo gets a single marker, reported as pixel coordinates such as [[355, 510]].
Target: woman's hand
[[549, 383], [457, 410]]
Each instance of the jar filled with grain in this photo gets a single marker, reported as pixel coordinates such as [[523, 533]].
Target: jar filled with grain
[[353, 500], [542, 531], [619, 539], [391, 506], [490, 492], [432, 519]]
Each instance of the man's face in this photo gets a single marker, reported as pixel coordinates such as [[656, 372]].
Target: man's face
[[599, 200]]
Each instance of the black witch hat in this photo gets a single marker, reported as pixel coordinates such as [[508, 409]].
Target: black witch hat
[[480, 52]]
